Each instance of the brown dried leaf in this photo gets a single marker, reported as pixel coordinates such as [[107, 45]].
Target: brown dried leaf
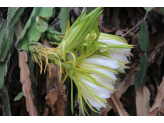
[[103, 26], [59, 99], [119, 32], [158, 105], [118, 105], [24, 77], [46, 111], [112, 104], [104, 111], [156, 47], [142, 100], [123, 85], [51, 98], [127, 101], [60, 103], [25, 80]]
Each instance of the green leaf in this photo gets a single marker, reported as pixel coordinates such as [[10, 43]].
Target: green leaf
[[42, 25], [140, 76], [19, 96], [11, 13], [148, 8], [8, 45], [3, 30], [53, 15], [64, 15], [6, 102], [32, 30], [14, 15], [3, 70], [144, 36]]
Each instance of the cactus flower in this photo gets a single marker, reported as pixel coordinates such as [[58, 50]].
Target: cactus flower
[[118, 47], [94, 78]]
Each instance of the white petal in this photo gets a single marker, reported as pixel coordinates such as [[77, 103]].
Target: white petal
[[119, 50], [102, 60], [107, 72], [121, 69], [103, 80], [120, 57], [100, 91], [107, 41], [97, 104]]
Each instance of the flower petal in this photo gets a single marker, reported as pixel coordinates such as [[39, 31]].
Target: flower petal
[[119, 51], [120, 57], [97, 104], [103, 80], [102, 60], [107, 72], [108, 41], [100, 91]]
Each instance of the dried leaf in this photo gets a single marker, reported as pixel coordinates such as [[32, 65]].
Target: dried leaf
[[142, 100], [159, 101], [112, 104], [104, 111], [103, 26], [51, 98], [59, 97], [24, 77], [156, 47], [61, 101], [123, 85], [52, 94], [118, 105], [25, 80], [126, 99]]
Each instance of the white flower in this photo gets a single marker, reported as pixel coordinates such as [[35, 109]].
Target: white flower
[[95, 77], [118, 47], [95, 69], [113, 39]]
